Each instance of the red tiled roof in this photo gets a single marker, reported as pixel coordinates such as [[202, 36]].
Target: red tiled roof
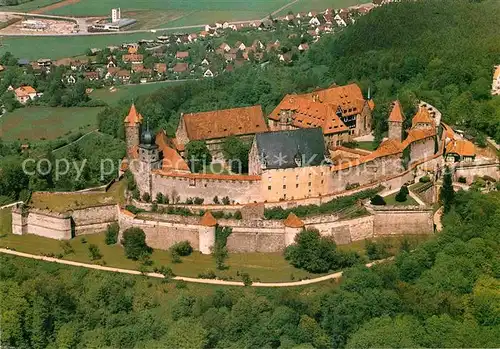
[[396, 112], [24, 91], [133, 117], [349, 98], [133, 58], [292, 221], [307, 114], [225, 123], [415, 135], [180, 67], [461, 147], [161, 67], [182, 54], [208, 176], [422, 117], [171, 159], [208, 220]]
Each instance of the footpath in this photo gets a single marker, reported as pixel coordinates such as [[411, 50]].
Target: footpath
[[333, 276]]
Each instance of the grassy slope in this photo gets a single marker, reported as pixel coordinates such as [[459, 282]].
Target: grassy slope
[[319, 5], [127, 92], [65, 202], [391, 200], [265, 266], [45, 122]]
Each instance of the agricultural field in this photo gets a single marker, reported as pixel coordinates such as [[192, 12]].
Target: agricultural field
[[319, 5], [37, 123], [33, 48], [129, 92], [29, 6]]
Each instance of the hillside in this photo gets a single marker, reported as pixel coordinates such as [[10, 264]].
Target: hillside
[[441, 51], [443, 294]]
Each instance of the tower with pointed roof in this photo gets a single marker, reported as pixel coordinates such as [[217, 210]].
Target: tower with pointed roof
[[396, 122], [132, 131]]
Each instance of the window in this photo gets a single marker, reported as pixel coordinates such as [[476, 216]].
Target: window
[[284, 186], [296, 185], [192, 183], [297, 177], [322, 181], [309, 185], [269, 188]]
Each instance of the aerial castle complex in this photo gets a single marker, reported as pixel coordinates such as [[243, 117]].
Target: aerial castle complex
[[298, 155]]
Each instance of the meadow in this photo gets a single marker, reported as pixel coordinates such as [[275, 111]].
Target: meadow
[[38, 123], [319, 5], [29, 6]]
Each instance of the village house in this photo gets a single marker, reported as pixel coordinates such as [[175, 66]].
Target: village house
[[214, 126], [193, 37], [303, 47], [208, 74], [133, 58], [240, 46], [123, 75], [205, 62], [180, 68], [25, 93], [182, 55], [70, 79], [160, 68], [91, 75]]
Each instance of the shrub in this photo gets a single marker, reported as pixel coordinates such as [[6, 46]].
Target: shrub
[[166, 272], [112, 234], [216, 200], [175, 257], [489, 179], [189, 201], [134, 243], [182, 248], [209, 274], [247, 280], [66, 247], [218, 214], [146, 197], [133, 209], [402, 194], [424, 179], [462, 179], [226, 201], [317, 254], [237, 215], [146, 260], [377, 200], [94, 252], [198, 201], [154, 207], [181, 284], [83, 240], [136, 194], [377, 250], [351, 186], [160, 198]]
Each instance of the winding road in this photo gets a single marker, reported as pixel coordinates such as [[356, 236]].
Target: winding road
[[333, 276]]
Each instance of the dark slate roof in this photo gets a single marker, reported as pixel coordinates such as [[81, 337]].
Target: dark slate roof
[[288, 149]]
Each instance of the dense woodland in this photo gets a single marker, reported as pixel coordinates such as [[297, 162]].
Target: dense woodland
[[443, 294], [441, 51]]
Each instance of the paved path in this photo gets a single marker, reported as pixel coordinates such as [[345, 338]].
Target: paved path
[[12, 204], [76, 140], [333, 276]]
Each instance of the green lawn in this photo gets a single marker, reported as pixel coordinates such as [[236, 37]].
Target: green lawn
[[5, 221], [128, 91], [64, 202], [35, 123], [370, 146], [391, 200]]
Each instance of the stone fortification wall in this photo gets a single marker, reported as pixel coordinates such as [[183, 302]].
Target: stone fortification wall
[[49, 224], [93, 220], [422, 149], [402, 220], [162, 234], [345, 232], [184, 187], [469, 171]]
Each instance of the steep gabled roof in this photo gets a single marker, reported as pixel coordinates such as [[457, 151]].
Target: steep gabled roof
[[290, 149], [133, 117], [225, 123], [461, 147], [396, 112], [422, 117], [310, 114], [172, 161], [496, 74], [349, 98], [415, 135]]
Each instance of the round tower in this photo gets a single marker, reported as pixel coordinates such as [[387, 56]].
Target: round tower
[[206, 233], [293, 226], [132, 131]]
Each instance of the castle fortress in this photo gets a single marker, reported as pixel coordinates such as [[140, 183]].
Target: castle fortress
[[297, 156]]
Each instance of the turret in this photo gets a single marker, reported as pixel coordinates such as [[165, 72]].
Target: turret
[[396, 122], [132, 131]]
